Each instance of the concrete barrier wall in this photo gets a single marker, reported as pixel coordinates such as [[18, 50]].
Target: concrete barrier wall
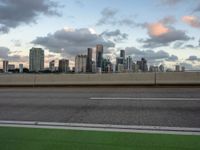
[[100, 79], [96, 79], [17, 79], [173, 78]]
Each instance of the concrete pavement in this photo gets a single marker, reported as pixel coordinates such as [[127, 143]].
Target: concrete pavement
[[138, 106]]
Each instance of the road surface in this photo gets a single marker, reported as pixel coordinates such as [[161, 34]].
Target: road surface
[[166, 106]]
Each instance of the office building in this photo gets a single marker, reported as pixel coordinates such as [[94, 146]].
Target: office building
[[11, 67], [36, 60], [135, 67], [143, 65], [177, 68], [94, 69], [89, 60], [122, 54], [153, 69], [99, 57], [107, 65], [21, 68], [183, 69], [5, 66], [63, 66], [120, 68], [81, 64], [161, 68], [52, 67], [129, 64]]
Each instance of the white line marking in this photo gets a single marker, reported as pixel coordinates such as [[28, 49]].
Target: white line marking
[[103, 127], [145, 99]]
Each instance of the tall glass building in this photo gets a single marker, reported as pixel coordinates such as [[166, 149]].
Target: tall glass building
[[99, 56], [36, 60]]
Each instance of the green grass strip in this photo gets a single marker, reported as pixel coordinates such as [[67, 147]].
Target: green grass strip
[[55, 139]]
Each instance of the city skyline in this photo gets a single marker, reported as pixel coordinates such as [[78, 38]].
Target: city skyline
[[162, 31]]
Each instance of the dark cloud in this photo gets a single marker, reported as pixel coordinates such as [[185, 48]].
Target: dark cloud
[[182, 45], [172, 58], [115, 35], [16, 12], [193, 58], [197, 9], [70, 42], [110, 16], [150, 55], [162, 33], [6, 54]]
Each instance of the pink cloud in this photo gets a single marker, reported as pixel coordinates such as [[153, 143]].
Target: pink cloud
[[192, 21], [157, 29]]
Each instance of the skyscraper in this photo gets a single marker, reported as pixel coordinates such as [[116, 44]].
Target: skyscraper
[[21, 68], [5, 66], [89, 60], [99, 57], [80, 63], [143, 65], [63, 65], [52, 66], [129, 64], [123, 54], [36, 59]]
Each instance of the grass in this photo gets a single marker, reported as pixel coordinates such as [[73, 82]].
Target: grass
[[52, 139]]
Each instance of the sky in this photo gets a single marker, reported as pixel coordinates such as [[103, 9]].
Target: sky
[[163, 31]]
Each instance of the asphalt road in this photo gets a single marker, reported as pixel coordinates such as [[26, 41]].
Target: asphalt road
[[172, 107]]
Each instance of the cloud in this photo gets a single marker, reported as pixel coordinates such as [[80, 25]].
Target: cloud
[[197, 9], [108, 15], [115, 35], [16, 12], [170, 2], [150, 55], [193, 58], [193, 21], [6, 54], [70, 42], [80, 3], [162, 33]]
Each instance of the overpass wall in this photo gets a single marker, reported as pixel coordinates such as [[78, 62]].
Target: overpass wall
[[100, 79], [178, 78]]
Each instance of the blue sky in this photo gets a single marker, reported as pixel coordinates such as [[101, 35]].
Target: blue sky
[[164, 31]]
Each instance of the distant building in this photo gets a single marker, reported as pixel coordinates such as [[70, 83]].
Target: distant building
[[107, 66], [183, 69], [89, 60], [36, 60], [52, 67], [143, 65], [5, 66], [177, 68], [63, 66], [11, 67], [129, 64], [123, 54], [81, 63], [94, 69], [153, 69], [99, 57], [161, 68], [21, 68], [135, 67], [120, 68]]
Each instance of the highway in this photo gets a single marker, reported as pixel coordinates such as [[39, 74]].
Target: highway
[[145, 106]]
